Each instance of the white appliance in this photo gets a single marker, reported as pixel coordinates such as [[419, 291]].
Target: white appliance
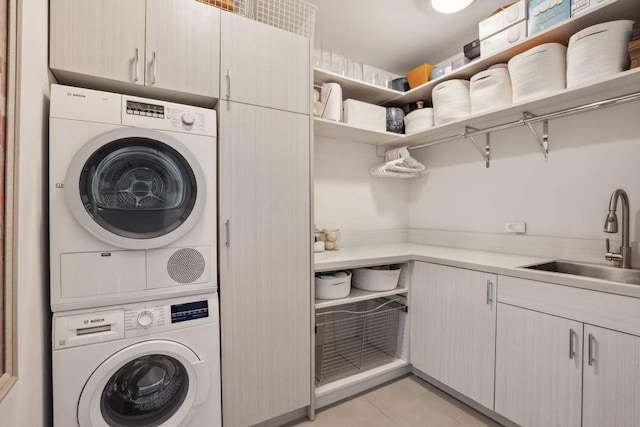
[[144, 364], [132, 188]]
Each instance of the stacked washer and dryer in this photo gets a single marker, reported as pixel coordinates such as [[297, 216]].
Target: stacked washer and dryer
[[132, 188]]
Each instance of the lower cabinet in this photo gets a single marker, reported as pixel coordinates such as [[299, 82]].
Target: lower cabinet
[[538, 368], [611, 390], [453, 320]]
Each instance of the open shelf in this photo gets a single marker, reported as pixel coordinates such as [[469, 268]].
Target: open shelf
[[620, 84], [560, 33], [359, 295], [339, 130], [343, 383]]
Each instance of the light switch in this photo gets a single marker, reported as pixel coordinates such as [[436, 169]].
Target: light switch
[[512, 227]]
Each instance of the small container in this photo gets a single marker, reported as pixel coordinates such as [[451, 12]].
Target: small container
[[333, 285], [376, 279], [435, 73], [318, 241], [395, 120], [419, 75], [332, 239], [400, 84], [418, 120]]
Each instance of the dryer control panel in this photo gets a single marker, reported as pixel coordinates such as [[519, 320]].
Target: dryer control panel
[[82, 327]]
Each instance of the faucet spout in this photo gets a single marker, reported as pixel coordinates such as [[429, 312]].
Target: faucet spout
[[611, 226]]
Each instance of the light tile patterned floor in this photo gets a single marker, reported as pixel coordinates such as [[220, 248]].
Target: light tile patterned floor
[[406, 402]]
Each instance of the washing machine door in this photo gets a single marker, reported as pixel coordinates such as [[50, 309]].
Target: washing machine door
[[154, 383], [135, 188]]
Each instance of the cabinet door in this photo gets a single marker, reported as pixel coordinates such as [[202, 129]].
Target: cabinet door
[[103, 38], [183, 46], [263, 65], [611, 392], [453, 327], [265, 262], [538, 368]]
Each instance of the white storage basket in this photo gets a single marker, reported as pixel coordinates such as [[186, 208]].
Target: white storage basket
[[418, 120], [538, 72], [489, 90], [451, 101], [598, 51], [369, 279], [333, 285]]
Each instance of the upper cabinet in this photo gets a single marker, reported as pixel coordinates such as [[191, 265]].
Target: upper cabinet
[[169, 45], [103, 38], [182, 51], [264, 66]]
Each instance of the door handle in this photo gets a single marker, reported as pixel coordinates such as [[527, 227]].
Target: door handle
[[228, 77], [136, 77], [154, 68], [227, 242], [592, 350], [572, 339], [489, 291]]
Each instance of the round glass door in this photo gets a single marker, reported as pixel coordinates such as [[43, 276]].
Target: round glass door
[[138, 188], [145, 392]]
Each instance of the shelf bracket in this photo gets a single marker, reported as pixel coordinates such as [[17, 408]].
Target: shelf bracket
[[486, 152], [543, 142]]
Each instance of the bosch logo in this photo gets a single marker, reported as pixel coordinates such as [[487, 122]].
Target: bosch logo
[[77, 95], [97, 320]]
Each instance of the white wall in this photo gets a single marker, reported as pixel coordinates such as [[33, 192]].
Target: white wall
[[28, 402], [591, 154], [347, 197]]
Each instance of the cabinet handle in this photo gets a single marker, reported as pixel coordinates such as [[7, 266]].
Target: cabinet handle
[[489, 291], [135, 61], [227, 242], [228, 76], [592, 350], [153, 67], [572, 337]]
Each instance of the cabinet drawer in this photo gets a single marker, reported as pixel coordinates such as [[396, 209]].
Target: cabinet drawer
[[597, 308]]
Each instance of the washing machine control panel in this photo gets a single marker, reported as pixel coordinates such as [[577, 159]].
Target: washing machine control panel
[[146, 113]]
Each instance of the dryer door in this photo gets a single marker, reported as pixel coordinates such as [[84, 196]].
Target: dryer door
[[147, 384], [135, 188]]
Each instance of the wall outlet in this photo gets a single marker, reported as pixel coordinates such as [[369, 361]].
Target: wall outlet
[[515, 227]]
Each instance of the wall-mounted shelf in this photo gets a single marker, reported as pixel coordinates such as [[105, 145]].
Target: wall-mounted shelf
[[359, 295], [339, 130], [614, 86], [560, 33]]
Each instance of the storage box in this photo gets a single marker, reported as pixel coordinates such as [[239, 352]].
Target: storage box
[[374, 280], [460, 62], [364, 115], [541, 16], [472, 50], [419, 75], [503, 39], [333, 285], [538, 72], [506, 18], [581, 6]]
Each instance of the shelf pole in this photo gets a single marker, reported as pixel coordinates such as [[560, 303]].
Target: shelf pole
[[543, 142]]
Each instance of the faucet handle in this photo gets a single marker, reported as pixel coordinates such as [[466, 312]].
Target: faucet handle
[[607, 245]]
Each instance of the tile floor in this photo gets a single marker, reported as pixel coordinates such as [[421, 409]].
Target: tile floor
[[406, 402]]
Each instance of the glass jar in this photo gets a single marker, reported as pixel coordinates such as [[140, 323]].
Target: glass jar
[[332, 239], [318, 241]]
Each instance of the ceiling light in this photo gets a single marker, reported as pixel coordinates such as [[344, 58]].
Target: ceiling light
[[450, 6]]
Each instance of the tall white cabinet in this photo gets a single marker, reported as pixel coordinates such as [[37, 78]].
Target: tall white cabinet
[[265, 225], [453, 325]]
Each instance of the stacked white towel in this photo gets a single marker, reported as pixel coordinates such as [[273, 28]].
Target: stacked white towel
[[538, 72], [451, 101], [489, 90], [598, 51]]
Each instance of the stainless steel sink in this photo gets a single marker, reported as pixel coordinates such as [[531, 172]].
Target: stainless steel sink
[[595, 271]]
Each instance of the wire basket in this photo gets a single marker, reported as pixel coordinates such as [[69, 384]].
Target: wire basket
[[295, 16], [356, 337]]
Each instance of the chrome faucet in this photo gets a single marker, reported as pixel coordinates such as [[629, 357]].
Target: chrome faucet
[[623, 258]]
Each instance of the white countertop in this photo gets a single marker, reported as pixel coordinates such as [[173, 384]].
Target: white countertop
[[490, 262]]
